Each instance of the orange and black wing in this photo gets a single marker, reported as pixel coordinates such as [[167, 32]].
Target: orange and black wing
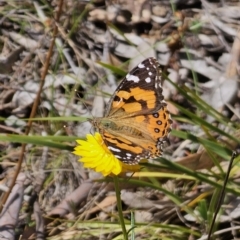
[[140, 92], [137, 118]]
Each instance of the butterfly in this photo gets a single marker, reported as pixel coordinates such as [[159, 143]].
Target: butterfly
[[136, 122]]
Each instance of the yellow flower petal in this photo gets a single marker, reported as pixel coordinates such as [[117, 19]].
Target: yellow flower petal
[[95, 154]]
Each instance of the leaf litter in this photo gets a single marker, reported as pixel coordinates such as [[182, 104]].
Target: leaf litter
[[196, 44]]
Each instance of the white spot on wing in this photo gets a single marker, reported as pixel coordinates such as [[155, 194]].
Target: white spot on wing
[[114, 149], [132, 78], [149, 73], [140, 65], [148, 80], [129, 154]]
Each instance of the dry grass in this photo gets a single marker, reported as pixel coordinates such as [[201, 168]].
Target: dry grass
[[48, 51]]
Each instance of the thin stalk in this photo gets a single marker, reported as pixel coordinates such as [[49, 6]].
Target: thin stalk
[[119, 206]]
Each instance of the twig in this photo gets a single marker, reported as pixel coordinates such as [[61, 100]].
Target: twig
[[35, 104]]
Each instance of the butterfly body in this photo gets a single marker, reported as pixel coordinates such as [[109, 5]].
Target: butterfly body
[[136, 122]]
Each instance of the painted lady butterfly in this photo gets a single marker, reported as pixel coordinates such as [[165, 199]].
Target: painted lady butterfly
[[136, 121]]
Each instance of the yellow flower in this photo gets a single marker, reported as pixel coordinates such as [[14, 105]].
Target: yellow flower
[[95, 154]]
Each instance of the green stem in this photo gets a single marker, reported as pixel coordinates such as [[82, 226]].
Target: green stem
[[119, 206]]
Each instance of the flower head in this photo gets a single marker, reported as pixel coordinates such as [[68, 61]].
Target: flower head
[[95, 154]]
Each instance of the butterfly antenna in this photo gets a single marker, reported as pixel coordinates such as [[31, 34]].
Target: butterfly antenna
[[85, 105], [91, 120]]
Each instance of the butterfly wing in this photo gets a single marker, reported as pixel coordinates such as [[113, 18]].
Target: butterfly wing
[[139, 137], [140, 92], [136, 121]]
